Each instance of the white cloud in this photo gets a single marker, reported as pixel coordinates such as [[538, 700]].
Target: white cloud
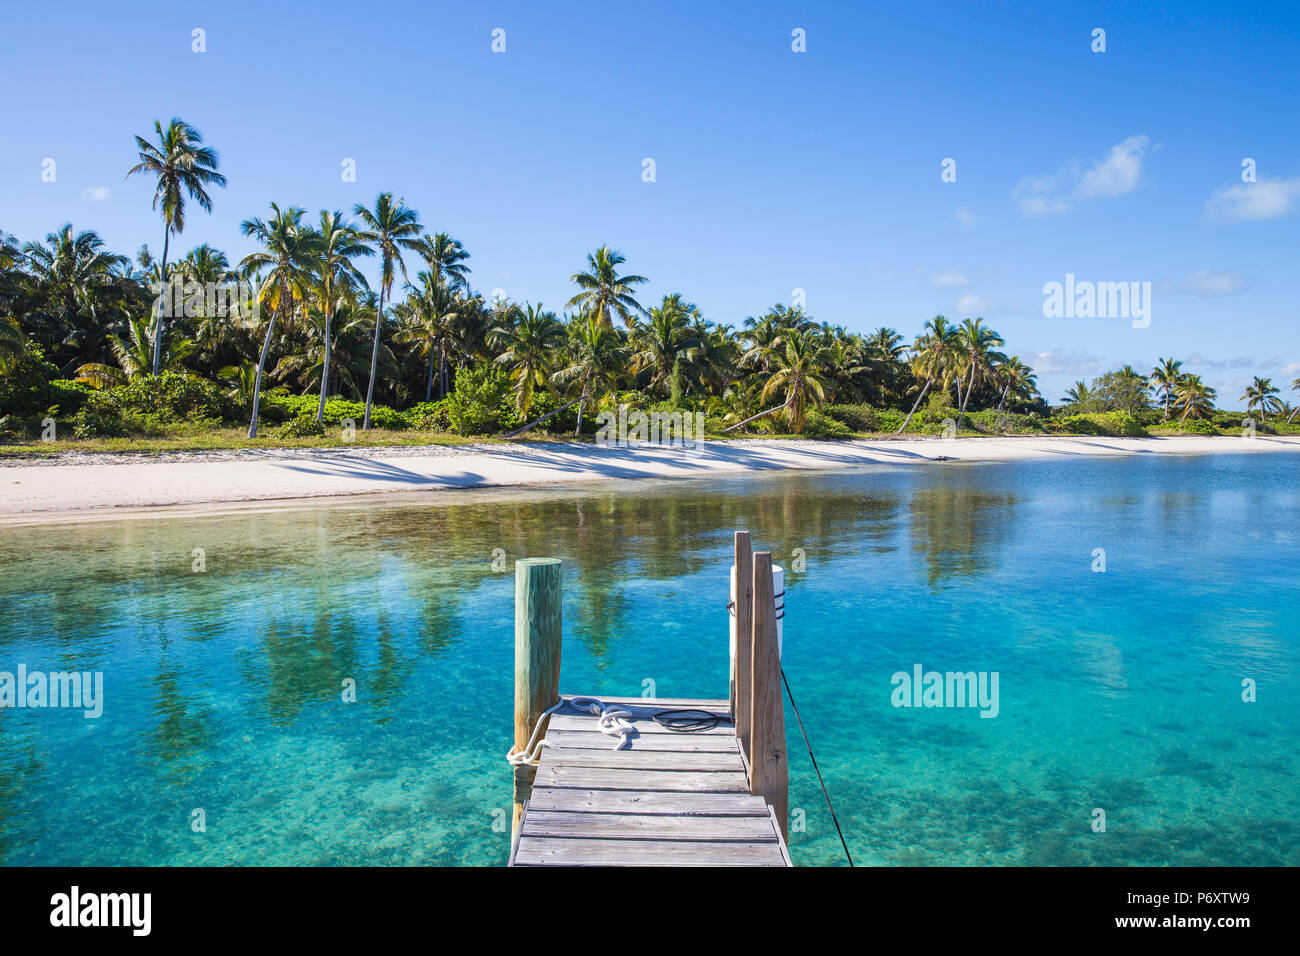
[[948, 280], [1196, 359], [1116, 174], [96, 193], [1065, 363], [1119, 172], [966, 217], [1289, 369], [1206, 282], [972, 303], [1266, 199]]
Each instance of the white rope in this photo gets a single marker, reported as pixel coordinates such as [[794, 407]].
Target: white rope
[[609, 721]]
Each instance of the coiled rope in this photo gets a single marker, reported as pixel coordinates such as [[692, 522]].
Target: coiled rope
[[611, 721]]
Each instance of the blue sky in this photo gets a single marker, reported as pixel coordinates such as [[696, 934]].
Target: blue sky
[[774, 170]]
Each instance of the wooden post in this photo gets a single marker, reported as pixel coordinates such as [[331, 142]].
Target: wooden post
[[769, 774], [744, 611], [538, 626]]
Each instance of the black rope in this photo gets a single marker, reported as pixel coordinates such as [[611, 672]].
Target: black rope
[[829, 805], [689, 721]]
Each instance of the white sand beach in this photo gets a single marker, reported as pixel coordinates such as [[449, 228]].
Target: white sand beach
[[89, 485]]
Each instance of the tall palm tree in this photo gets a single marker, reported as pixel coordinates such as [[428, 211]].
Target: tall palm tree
[[1194, 397], [1295, 385], [1262, 394], [334, 244], [604, 293], [596, 357], [799, 369], [934, 354], [1013, 376], [527, 345], [1163, 378], [390, 227], [181, 165], [976, 341], [287, 256], [446, 259]]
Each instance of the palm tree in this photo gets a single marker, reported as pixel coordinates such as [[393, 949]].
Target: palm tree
[[433, 326], [334, 244], [663, 340], [1262, 394], [596, 357], [181, 164], [976, 341], [446, 259], [1194, 397], [933, 358], [605, 293], [390, 227], [799, 368], [134, 356], [1078, 397], [69, 272], [1295, 385], [1013, 375], [12, 341], [527, 344], [287, 256], [1164, 377]]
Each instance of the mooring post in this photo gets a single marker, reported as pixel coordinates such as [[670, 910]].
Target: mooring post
[[769, 774], [538, 628], [741, 635]]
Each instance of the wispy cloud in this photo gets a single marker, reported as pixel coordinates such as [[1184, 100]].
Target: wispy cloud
[[96, 193], [1117, 173], [1206, 282], [972, 303], [1065, 363], [1241, 361], [967, 218], [1265, 199], [948, 280]]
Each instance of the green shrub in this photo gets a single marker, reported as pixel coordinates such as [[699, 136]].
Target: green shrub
[[31, 385], [106, 415], [1107, 424], [337, 409], [1199, 426], [1004, 422], [430, 416], [303, 426], [176, 397], [482, 402], [822, 426]]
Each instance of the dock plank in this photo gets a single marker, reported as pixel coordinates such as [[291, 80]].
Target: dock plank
[[570, 852], [665, 799]]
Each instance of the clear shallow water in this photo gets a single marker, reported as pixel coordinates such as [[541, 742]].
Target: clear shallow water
[[1119, 690]]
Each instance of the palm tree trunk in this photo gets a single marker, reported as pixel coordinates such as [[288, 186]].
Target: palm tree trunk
[[1288, 421], [961, 416], [374, 361], [549, 415], [261, 364], [166, 294], [325, 368], [754, 417], [915, 405], [428, 385], [582, 401]]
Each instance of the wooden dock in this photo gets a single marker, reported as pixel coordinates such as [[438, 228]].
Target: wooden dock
[[668, 799], [651, 789]]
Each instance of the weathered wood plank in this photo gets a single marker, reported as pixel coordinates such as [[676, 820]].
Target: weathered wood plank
[[768, 769], [680, 743], [586, 778], [741, 625], [619, 826], [656, 703], [643, 759], [557, 851], [647, 801]]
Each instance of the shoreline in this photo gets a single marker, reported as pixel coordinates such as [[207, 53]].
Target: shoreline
[[109, 485]]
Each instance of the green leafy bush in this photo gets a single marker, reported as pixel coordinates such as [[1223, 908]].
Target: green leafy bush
[[303, 426], [1004, 422], [337, 409], [1108, 424], [430, 416], [175, 397], [482, 403], [865, 418], [1199, 426], [822, 426]]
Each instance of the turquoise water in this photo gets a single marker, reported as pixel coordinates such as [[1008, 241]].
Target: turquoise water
[[1118, 690]]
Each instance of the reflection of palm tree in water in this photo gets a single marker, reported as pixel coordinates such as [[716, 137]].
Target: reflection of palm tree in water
[[959, 530]]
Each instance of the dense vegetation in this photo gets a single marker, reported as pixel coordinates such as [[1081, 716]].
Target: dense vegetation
[[109, 347]]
